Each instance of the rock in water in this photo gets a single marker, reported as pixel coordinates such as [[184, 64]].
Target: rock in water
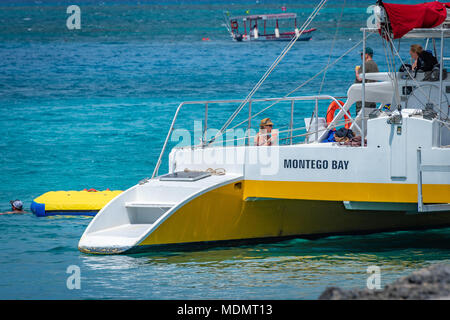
[[428, 283]]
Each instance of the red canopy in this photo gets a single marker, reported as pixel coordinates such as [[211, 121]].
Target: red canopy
[[405, 17]]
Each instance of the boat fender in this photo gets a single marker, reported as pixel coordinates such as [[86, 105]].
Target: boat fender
[[332, 109]]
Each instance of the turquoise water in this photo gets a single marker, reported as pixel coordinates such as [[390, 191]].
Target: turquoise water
[[91, 108]]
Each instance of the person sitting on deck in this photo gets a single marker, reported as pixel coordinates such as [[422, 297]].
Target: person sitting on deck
[[423, 60], [371, 66], [266, 136]]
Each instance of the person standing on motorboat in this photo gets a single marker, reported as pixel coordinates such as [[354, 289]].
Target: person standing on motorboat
[[423, 60], [371, 66], [255, 31]]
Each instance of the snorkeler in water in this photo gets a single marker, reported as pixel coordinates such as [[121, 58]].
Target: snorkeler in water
[[16, 207]]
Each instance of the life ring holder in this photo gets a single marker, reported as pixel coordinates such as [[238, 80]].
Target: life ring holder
[[333, 106]]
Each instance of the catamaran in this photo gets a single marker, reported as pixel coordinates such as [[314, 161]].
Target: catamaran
[[266, 27], [397, 178]]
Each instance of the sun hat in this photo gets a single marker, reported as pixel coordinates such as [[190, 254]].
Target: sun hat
[[265, 122], [17, 204]]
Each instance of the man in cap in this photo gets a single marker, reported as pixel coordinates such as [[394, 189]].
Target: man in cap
[[16, 207], [371, 66]]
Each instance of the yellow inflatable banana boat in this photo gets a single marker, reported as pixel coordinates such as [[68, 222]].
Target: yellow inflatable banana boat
[[86, 202]]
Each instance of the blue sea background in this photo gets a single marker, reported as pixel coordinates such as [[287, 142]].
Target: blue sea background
[[90, 108]]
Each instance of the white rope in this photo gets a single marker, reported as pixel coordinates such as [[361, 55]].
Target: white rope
[[214, 172]]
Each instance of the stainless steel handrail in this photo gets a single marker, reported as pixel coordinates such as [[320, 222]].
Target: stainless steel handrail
[[207, 102], [421, 168]]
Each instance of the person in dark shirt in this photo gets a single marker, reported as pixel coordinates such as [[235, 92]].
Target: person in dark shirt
[[423, 60], [371, 66]]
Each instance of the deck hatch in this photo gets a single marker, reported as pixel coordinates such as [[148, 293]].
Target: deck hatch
[[185, 176]]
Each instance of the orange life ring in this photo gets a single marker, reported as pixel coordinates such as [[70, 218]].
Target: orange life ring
[[234, 25], [92, 190], [332, 109]]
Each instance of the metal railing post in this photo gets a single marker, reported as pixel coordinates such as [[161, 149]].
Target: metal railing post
[[316, 111], [363, 95], [441, 73], [292, 120], [158, 163], [419, 181], [249, 121], [206, 125], [421, 207]]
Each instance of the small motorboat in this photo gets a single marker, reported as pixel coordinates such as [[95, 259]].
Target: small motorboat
[[86, 202], [266, 27]]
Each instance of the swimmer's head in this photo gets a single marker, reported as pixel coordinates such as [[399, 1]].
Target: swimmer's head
[[16, 204]]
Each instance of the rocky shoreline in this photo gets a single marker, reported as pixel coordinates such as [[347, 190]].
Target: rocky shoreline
[[430, 283]]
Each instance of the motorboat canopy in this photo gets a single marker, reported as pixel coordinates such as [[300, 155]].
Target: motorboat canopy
[[276, 16], [266, 27]]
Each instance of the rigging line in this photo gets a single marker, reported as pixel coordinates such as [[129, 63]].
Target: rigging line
[[386, 55], [390, 55], [272, 67], [305, 83], [397, 94], [256, 87], [391, 69], [274, 64], [388, 59], [333, 43], [419, 87]]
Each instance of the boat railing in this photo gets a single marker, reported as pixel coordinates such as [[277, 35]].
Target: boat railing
[[290, 131], [289, 138]]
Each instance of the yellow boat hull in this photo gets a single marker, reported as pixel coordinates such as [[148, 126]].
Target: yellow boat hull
[[264, 210]]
